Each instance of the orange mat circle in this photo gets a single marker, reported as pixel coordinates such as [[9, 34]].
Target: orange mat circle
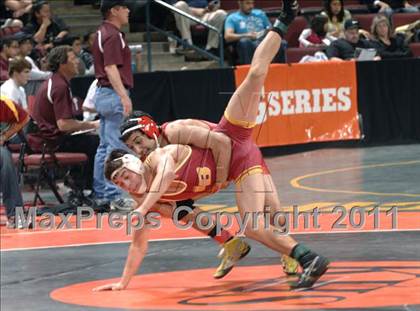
[[346, 285]]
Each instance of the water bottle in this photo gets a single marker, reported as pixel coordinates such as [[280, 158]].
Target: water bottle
[[138, 48]]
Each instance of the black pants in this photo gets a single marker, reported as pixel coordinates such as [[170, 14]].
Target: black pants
[[85, 143]]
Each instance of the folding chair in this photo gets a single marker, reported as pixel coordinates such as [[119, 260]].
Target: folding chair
[[47, 164]]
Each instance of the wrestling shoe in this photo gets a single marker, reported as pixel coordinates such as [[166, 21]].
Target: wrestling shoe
[[290, 266], [232, 251], [123, 205], [286, 16], [314, 270]]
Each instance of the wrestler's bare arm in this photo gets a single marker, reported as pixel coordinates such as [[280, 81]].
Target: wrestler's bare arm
[[198, 134], [191, 122], [137, 250], [162, 162], [165, 209], [138, 247]]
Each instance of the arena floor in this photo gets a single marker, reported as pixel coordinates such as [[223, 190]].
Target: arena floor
[[374, 267]]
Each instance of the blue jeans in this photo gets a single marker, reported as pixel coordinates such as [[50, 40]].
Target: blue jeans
[[9, 186], [389, 12], [110, 109]]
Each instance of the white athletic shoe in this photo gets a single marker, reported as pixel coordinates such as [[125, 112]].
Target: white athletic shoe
[[123, 204]]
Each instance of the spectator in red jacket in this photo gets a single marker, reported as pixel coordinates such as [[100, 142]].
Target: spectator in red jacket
[[12, 119], [317, 34]]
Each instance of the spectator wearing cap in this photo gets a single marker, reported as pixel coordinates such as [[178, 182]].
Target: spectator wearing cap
[[388, 7], [112, 59], [19, 70], [12, 119], [55, 112], [247, 28], [345, 48], [9, 48], [26, 45], [337, 16], [388, 45], [44, 27]]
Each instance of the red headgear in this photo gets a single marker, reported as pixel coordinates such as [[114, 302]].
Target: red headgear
[[144, 123]]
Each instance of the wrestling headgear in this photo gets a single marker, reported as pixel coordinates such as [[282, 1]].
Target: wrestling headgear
[[143, 122], [129, 162]]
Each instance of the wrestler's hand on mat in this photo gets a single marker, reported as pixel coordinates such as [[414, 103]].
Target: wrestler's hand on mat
[[141, 210], [112, 286]]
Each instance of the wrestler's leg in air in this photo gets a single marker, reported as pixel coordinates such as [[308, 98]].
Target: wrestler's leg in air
[[250, 191]]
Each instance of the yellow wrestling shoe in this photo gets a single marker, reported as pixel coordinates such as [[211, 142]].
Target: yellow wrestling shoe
[[290, 266], [232, 251]]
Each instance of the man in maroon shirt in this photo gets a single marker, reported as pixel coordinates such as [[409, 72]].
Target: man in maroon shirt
[[112, 61], [9, 48], [55, 111]]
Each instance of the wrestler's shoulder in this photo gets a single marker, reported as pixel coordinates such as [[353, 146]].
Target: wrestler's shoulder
[[174, 150], [190, 122]]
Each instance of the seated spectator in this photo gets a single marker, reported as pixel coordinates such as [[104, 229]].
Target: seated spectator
[[388, 7], [19, 69], [25, 50], [205, 11], [411, 31], [9, 48], [387, 44], [247, 27], [44, 27], [12, 119], [76, 45], [317, 34], [15, 12], [86, 54], [55, 112], [337, 15], [345, 48]]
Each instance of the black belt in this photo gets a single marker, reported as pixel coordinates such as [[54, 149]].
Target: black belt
[[105, 86]]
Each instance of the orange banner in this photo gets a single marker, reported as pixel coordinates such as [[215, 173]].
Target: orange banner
[[303, 103]]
